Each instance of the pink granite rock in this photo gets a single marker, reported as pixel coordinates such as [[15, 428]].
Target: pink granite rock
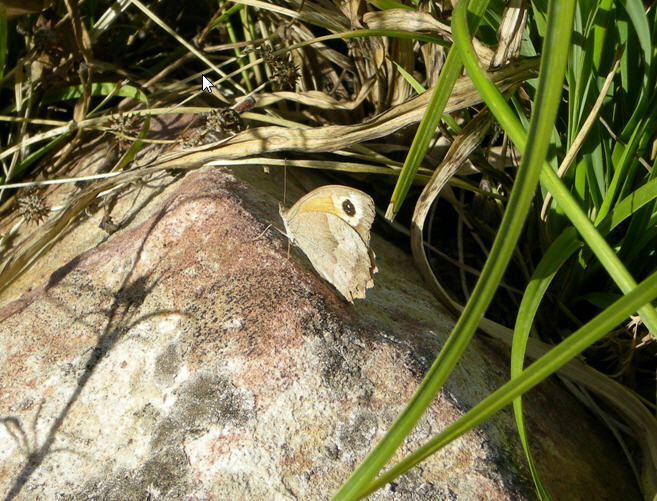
[[187, 358]]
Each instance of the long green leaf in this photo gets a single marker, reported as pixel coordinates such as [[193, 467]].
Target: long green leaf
[[538, 371], [555, 256]]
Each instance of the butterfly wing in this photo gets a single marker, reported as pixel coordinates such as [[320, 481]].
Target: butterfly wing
[[332, 198], [335, 249]]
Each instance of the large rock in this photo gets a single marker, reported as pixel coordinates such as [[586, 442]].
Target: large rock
[[188, 358]]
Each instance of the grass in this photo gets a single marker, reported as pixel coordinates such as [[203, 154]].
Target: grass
[[555, 111]]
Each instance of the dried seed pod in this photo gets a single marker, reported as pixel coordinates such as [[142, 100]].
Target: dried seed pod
[[32, 206]]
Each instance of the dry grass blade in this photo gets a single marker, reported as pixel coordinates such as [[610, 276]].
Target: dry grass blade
[[314, 98], [44, 239], [420, 22], [408, 20], [18, 92], [462, 147], [326, 165], [183, 42], [334, 137], [509, 34], [312, 13], [41, 241], [108, 18], [80, 34], [301, 34], [581, 135]]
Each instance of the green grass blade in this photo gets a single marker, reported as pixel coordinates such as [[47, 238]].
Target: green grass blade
[[567, 203], [637, 14], [555, 256], [629, 206], [97, 89], [391, 4], [418, 149], [36, 156], [605, 254], [417, 86], [224, 18], [530, 377]]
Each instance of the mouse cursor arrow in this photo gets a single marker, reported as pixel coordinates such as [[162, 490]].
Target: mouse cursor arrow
[[206, 85]]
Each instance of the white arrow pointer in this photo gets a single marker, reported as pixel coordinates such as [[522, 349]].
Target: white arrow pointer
[[206, 85]]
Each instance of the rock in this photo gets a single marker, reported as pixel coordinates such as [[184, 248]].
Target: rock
[[187, 358]]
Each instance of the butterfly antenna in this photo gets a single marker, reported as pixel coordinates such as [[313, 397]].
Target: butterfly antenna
[[285, 182]]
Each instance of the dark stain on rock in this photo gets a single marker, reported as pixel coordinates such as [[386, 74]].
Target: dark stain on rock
[[201, 401], [160, 477], [209, 399], [167, 365], [411, 487], [341, 373], [358, 435], [168, 431], [205, 399]]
